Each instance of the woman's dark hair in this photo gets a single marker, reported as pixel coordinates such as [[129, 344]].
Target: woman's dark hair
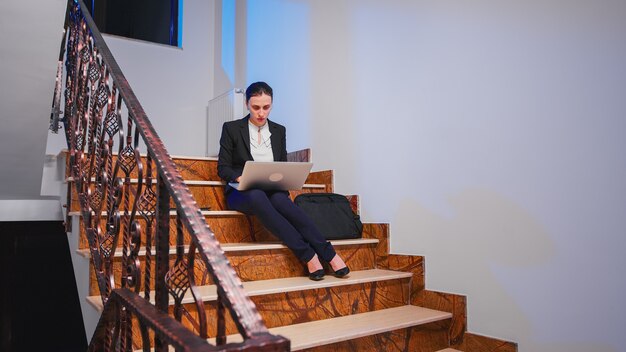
[[258, 88]]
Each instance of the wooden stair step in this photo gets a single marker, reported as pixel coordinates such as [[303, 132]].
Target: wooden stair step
[[238, 247], [449, 350], [173, 213], [228, 226], [291, 284], [262, 260], [209, 194], [229, 223], [190, 167], [198, 167], [328, 331], [206, 183]]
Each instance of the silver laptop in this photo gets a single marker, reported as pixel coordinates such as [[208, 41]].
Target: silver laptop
[[273, 175]]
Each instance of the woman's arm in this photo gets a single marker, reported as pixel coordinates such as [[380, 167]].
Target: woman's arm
[[225, 168], [283, 142]]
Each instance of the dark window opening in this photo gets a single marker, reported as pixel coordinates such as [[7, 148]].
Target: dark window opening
[[157, 21]]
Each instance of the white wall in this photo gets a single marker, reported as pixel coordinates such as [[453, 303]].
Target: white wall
[[490, 134], [30, 33], [174, 85], [31, 36], [30, 210]]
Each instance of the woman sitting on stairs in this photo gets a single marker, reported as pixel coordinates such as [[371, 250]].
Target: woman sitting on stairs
[[256, 138]]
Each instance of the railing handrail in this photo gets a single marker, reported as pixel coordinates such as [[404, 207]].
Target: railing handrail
[[168, 329], [193, 220], [230, 288]]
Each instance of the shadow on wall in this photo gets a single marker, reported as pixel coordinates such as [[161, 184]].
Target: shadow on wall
[[332, 121], [487, 231]]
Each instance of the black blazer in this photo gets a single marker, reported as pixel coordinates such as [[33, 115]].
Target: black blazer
[[235, 147]]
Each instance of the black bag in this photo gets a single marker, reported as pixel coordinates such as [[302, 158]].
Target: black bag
[[332, 215]]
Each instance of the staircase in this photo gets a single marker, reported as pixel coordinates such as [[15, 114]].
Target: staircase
[[164, 264], [381, 306], [378, 305]]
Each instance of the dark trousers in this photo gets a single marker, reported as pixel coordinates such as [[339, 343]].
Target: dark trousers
[[284, 219]]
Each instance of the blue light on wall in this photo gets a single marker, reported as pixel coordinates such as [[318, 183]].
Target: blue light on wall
[[278, 51]]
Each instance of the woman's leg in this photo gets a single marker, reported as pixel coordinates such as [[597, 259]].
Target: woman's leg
[[256, 202], [302, 223]]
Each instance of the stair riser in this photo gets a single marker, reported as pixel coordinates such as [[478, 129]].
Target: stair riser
[[236, 228], [227, 229], [309, 305], [208, 197], [197, 170], [304, 306], [381, 233], [260, 264], [206, 170], [473, 342], [447, 302]]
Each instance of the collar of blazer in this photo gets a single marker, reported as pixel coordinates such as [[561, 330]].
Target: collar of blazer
[[245, 134]]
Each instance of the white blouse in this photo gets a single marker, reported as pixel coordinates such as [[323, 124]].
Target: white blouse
[[260, 151]]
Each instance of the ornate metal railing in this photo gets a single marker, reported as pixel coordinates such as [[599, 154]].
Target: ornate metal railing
[[101, 113]]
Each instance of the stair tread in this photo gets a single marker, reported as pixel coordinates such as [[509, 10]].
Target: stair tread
[[173, 213], [174, 157], [189, 157], [327, 331], [449, 350], [233, 247], [265, 287], [206, 183]]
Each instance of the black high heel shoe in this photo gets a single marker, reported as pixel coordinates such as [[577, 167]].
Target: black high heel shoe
[[317, 275], [342, 272]]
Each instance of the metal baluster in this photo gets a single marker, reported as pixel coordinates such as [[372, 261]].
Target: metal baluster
[[162, 252], [201, 324], [148, 211], [127, 162], [221, 323], [178, 285]]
